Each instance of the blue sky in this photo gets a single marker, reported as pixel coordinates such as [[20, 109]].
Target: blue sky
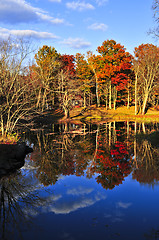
[[78, 26]]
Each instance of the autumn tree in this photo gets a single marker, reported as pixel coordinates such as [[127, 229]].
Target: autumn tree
[[93, 62], [146, 68], [115, 68], [47, 60], [84, 75], [32, 77], [55, 73], [67, 86]]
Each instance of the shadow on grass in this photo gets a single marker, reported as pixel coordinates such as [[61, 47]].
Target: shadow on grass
[[47, 117]]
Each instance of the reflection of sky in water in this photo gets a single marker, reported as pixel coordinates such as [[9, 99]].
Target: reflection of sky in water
[[79, 208], [70, 194], [74, 196]]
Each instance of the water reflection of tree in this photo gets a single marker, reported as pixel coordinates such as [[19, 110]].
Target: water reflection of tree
[[109, 150], [53, 155], [65, 151], [111, 162], [147, 156], [16, 196]]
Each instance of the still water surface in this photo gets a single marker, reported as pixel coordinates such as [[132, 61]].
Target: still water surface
[[85, 182]]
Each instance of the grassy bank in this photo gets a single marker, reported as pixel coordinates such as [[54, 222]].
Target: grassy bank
[[94, 114], [78, 115]]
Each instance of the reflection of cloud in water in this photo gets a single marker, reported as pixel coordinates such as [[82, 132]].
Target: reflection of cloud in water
[[124, 205], [30, 212], [63, 200], [117, 213], [67, 207], [116, 217], [46, 201], [79, 191], [53, 198]]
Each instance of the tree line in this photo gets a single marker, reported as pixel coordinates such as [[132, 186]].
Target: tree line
[[110, 78]]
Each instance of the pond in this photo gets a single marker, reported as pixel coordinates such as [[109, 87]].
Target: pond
[[85, 182]]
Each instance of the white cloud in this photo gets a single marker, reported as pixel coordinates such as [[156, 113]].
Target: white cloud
[[79, 191], [55, 1], [19, 11], [62, 203], [67, 207], [53, 198], [5, 33], [80, 6], [76, 43], [14, 11], [98, 26], [101, 2], [35, 212], [124, 205], [57, 21], [50, 19]]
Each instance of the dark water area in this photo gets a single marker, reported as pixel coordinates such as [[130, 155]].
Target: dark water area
[[84, 182]]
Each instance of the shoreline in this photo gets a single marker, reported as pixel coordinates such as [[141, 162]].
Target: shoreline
[[101, 115]]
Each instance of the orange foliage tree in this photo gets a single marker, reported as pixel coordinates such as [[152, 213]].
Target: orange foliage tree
[[115, 68]]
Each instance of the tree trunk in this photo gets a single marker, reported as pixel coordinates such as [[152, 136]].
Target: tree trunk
[[114, 104], [115, 97], [128, 105], [143, 128], [136, 94], [66, 105], [39, 98], [67, 112], [89, 99], [97, 95], [106, 103], [144, 104], [110, 96], [110, 133], [2, 126], [53, 99]]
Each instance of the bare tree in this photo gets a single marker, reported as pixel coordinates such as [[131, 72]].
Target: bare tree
[[16, 99], [155, 7], [68, 89], [146, 68]]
